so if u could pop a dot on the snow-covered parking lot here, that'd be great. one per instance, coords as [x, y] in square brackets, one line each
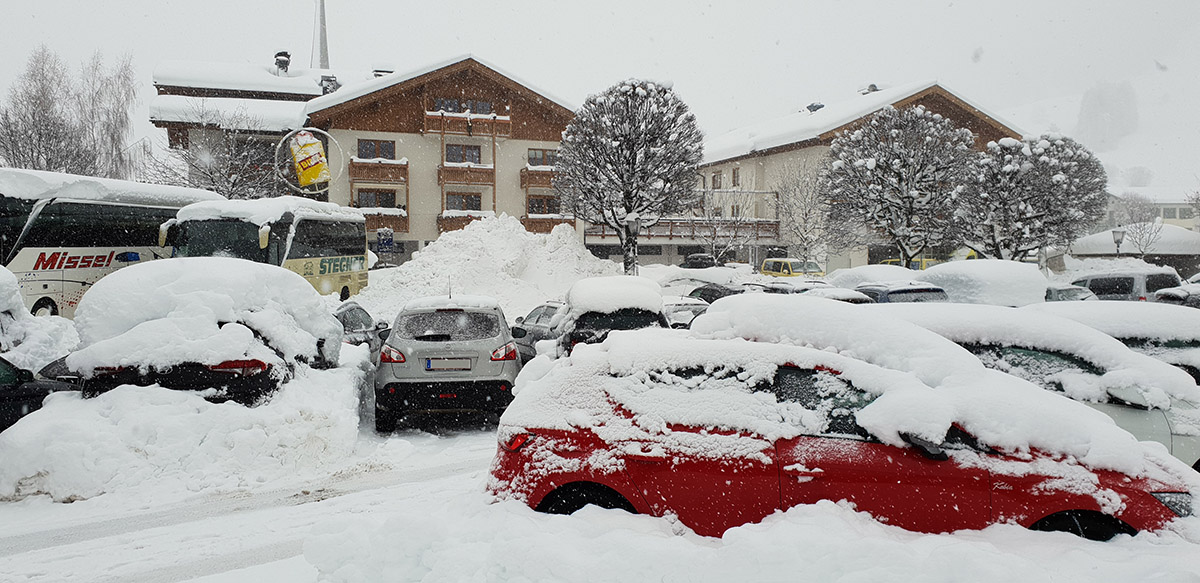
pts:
[150, 485]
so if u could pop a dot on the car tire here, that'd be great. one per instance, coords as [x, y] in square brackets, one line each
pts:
[1086, 524]
[44, 307]
[571, 497]
[385, 423]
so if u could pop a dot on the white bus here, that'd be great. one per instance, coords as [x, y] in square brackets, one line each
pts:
[60, 233]
[324, 242]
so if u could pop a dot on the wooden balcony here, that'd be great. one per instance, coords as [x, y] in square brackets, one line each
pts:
[453, 223]
[379, 172]
[397, 223]
[683, 228]
[460, 125]
[466, 175]
[545, 224]
[536, 178]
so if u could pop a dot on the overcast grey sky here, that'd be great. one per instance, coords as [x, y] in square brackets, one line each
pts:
[732, 61]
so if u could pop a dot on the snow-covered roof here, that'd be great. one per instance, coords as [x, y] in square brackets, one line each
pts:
[1172, 240]
[261, 77]
[452, 301]
[230, 113]
[267, 210]
[38, 185]
[989, 281]
[980, 324]
[351, 92]
[806, 125]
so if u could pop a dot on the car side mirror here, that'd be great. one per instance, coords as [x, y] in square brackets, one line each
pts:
[24, 376]
[520, 319]
[519, 332]
[384, 333]
[927, 448]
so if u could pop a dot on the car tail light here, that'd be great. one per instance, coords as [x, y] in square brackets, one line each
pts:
[506, 352]
[240, 367]
[389, 354]
[517, 441]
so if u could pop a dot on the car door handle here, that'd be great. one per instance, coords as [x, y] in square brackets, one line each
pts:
[800, 471]
[641, 454]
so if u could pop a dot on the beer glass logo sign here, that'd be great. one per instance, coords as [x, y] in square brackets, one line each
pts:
[308, 155]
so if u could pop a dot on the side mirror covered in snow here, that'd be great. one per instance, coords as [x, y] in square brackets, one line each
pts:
[927, 448]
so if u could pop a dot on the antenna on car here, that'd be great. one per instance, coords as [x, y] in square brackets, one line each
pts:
[449, 292]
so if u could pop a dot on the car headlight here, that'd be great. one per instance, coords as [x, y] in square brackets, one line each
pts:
[1179, 502]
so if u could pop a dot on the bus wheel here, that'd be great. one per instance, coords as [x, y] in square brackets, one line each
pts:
[345, 293]
[45, 307]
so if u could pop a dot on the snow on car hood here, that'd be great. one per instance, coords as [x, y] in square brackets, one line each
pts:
[995, 325]
[1002, 410]
[201, 309]
[989, 281]
[25, 341]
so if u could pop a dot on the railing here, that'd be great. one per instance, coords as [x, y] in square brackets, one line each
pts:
[465, 175]
[445, 224]
[681, 228]
[544, 224]
[379, 172]
[438, 123]
[397, 223]
[536, 178]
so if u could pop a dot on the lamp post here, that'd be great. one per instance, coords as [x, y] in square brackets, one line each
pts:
[1118, 236]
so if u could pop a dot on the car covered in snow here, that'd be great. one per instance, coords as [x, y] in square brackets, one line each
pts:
[596, 306]
[1159, 330]
[538, 326]
[989, 281]
[360, 328]
[1065, 292]
[445, 355]
[234, 329]
[716, 433]
[1147, 397]
[1130, 284]
[681, 310]
[884, 292]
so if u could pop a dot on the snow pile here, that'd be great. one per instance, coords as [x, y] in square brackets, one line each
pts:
[851, 277]
[609, 294]
[155, 442]
[1148, 320]
[999, 409]
[25, 341]
[1077, 268]
[201, 309]
[1156, 381]
[1171, 240]
[989, 281]
[261, 211]
[493, 257]
[724, 275]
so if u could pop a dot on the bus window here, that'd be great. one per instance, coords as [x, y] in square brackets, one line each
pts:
[315, 238]
[220, 238]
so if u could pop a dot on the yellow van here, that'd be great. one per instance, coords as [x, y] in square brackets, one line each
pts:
[787, 267]
[920, 263]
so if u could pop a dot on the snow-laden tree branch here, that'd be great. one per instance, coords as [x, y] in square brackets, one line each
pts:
[629, 158]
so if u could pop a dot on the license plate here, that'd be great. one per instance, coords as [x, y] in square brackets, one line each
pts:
[447, 364]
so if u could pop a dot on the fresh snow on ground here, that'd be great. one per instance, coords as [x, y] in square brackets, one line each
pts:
[169, 487]
[25, 341]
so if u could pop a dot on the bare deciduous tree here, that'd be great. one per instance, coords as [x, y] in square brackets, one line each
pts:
[725, 220]
[1138, 215]
[807, 224]
[54, 122]
[236, 161]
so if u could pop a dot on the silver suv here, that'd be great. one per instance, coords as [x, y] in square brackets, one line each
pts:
[445, 355]
[1129, 285]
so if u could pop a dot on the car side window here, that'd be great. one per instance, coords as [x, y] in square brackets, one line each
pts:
[1111, 285]
[825, 393]
[546, 315]
[1036, 366]
[533, 316]
[8, 374]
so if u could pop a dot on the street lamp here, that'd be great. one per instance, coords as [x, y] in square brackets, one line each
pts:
[1118, 236]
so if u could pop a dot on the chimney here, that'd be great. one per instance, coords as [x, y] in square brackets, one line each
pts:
[329, 84]
[814, 106]
[382, 72]
[869, 89]
[282, 60]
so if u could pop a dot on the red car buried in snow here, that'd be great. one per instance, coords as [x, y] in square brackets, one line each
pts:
[720, 433]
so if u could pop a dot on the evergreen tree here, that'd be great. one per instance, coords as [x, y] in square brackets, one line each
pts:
[629, 158]
[899, 174]
[1032, 194]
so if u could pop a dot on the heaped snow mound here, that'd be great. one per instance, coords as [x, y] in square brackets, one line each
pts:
[727, 274]
[161, 313]
[28, 342]
[1076, 268]
[1002, 410]
[153, 442]
[851, 277]
[609, 294]
[494, 257]
[989, 281]
[1142, 320]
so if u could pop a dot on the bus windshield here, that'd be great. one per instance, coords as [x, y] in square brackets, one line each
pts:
[230, 238]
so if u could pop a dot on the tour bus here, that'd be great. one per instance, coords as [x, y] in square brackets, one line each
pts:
[60, 233]
[324, 242]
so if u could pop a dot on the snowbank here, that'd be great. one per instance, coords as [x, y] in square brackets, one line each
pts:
[989, 281]
[493, 257]
[158, 443]
[169, 311]
[261, 211]
[25, 341]
[1076, 268]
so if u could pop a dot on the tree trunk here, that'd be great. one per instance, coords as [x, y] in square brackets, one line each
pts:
[629, 249]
